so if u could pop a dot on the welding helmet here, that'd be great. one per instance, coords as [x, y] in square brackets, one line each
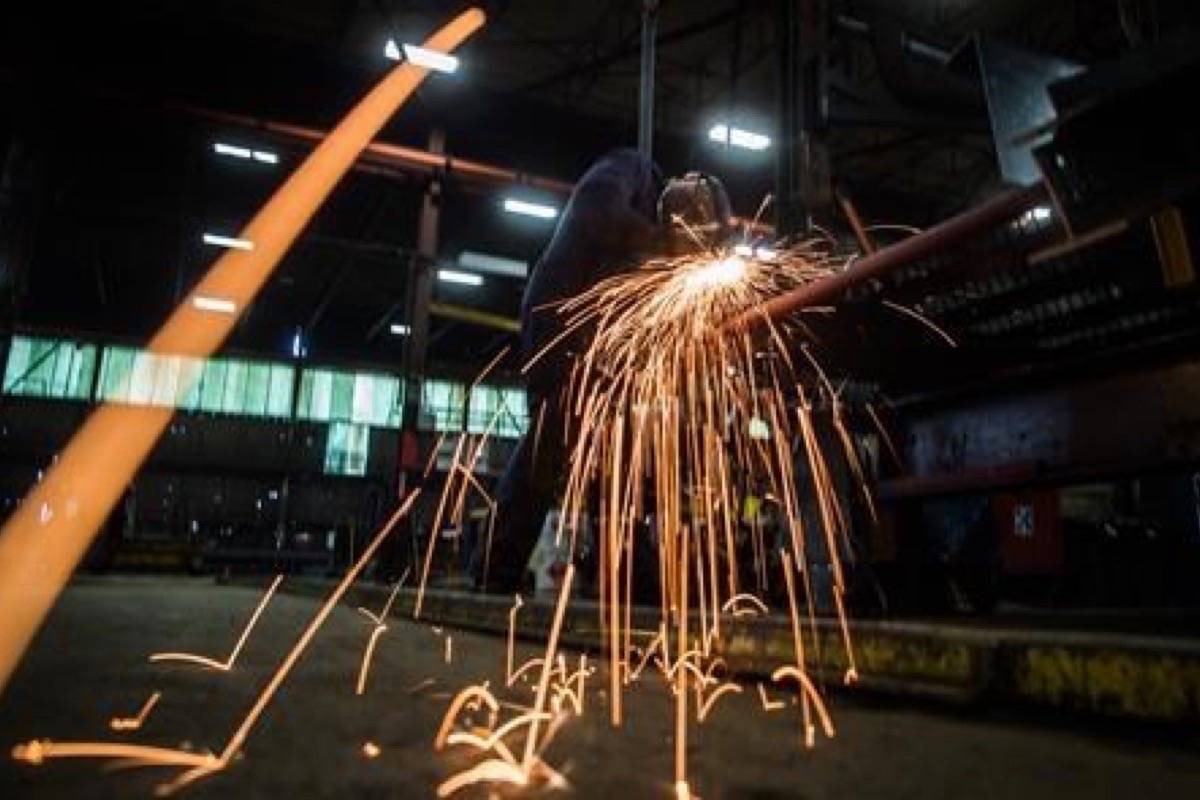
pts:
[699, 202]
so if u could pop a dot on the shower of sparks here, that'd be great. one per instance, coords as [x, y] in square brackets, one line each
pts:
[135, 722]
[505, 767]
[659, 410]
[378, 630]
[512, 632]
[227, 664]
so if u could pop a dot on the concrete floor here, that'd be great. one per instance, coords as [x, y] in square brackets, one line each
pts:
[89, 664]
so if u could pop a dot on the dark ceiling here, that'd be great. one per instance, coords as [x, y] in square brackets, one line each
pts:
[121, 180]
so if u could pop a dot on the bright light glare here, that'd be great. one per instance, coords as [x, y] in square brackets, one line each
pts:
[765, 253]
[454, 276]
[217, 304]
[759, 429]
[399, 329]
[430, 59]
[232, 242]
[738, 137]
[391, 51]
[237, 151]
[743, 250]
[721, 272]
[232, 150]
[496, 265]
[1035, 214]
[538, 210]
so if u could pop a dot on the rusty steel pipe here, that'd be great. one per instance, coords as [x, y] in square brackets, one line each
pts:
[878, 264]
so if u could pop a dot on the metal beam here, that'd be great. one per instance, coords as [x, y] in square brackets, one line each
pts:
[879, 264]
[409, 159]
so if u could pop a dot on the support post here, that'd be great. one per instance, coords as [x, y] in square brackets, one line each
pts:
[646, 91]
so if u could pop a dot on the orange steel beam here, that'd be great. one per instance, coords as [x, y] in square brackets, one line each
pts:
[43, 541]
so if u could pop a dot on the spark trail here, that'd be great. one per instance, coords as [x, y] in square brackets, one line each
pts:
[660, 410]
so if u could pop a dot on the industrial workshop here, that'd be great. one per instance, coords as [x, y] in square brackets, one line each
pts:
[680, 399]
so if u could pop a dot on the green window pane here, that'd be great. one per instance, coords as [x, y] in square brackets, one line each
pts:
[341, 399]
[115, 367]
[218, 386]
[347, 448]
[258, 378]
[53, 368]
[359, 397]
[279, 397]
[212, 386]
[514, 413]
[484, 403]
[442, 405]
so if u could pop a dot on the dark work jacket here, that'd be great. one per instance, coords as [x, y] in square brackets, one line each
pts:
[606, 228]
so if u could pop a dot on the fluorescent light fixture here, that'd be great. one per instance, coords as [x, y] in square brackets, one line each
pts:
[297, 344]
[738, 138]
[400, 329]
[237, 151]
[1035, 214]
[232, 242]
[217, 304]
[232, 150]
[743, 250]
[430, 59]
[514, 206]
[494, 265]
[391, 51]
[454, 276]
[765, 253]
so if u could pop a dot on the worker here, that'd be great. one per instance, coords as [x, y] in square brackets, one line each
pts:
[611, 224]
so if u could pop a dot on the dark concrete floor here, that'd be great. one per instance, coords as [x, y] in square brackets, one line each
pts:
[89, 664]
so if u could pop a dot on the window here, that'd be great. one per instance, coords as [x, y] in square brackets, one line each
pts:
[347, 448]
[216, 385]
[328, 395]
[49, 368]
[505, 404]
[442, 405]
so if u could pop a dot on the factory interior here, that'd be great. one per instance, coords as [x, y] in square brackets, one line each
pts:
[681, 398]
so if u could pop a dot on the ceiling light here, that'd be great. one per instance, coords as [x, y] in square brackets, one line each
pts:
[514, 206]
[232, 150]
[237, 151]
[495, 265]
[217, 304]
[421, 57]
[232, 242]
[400, 329]
[454, 276]
[739, 138]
